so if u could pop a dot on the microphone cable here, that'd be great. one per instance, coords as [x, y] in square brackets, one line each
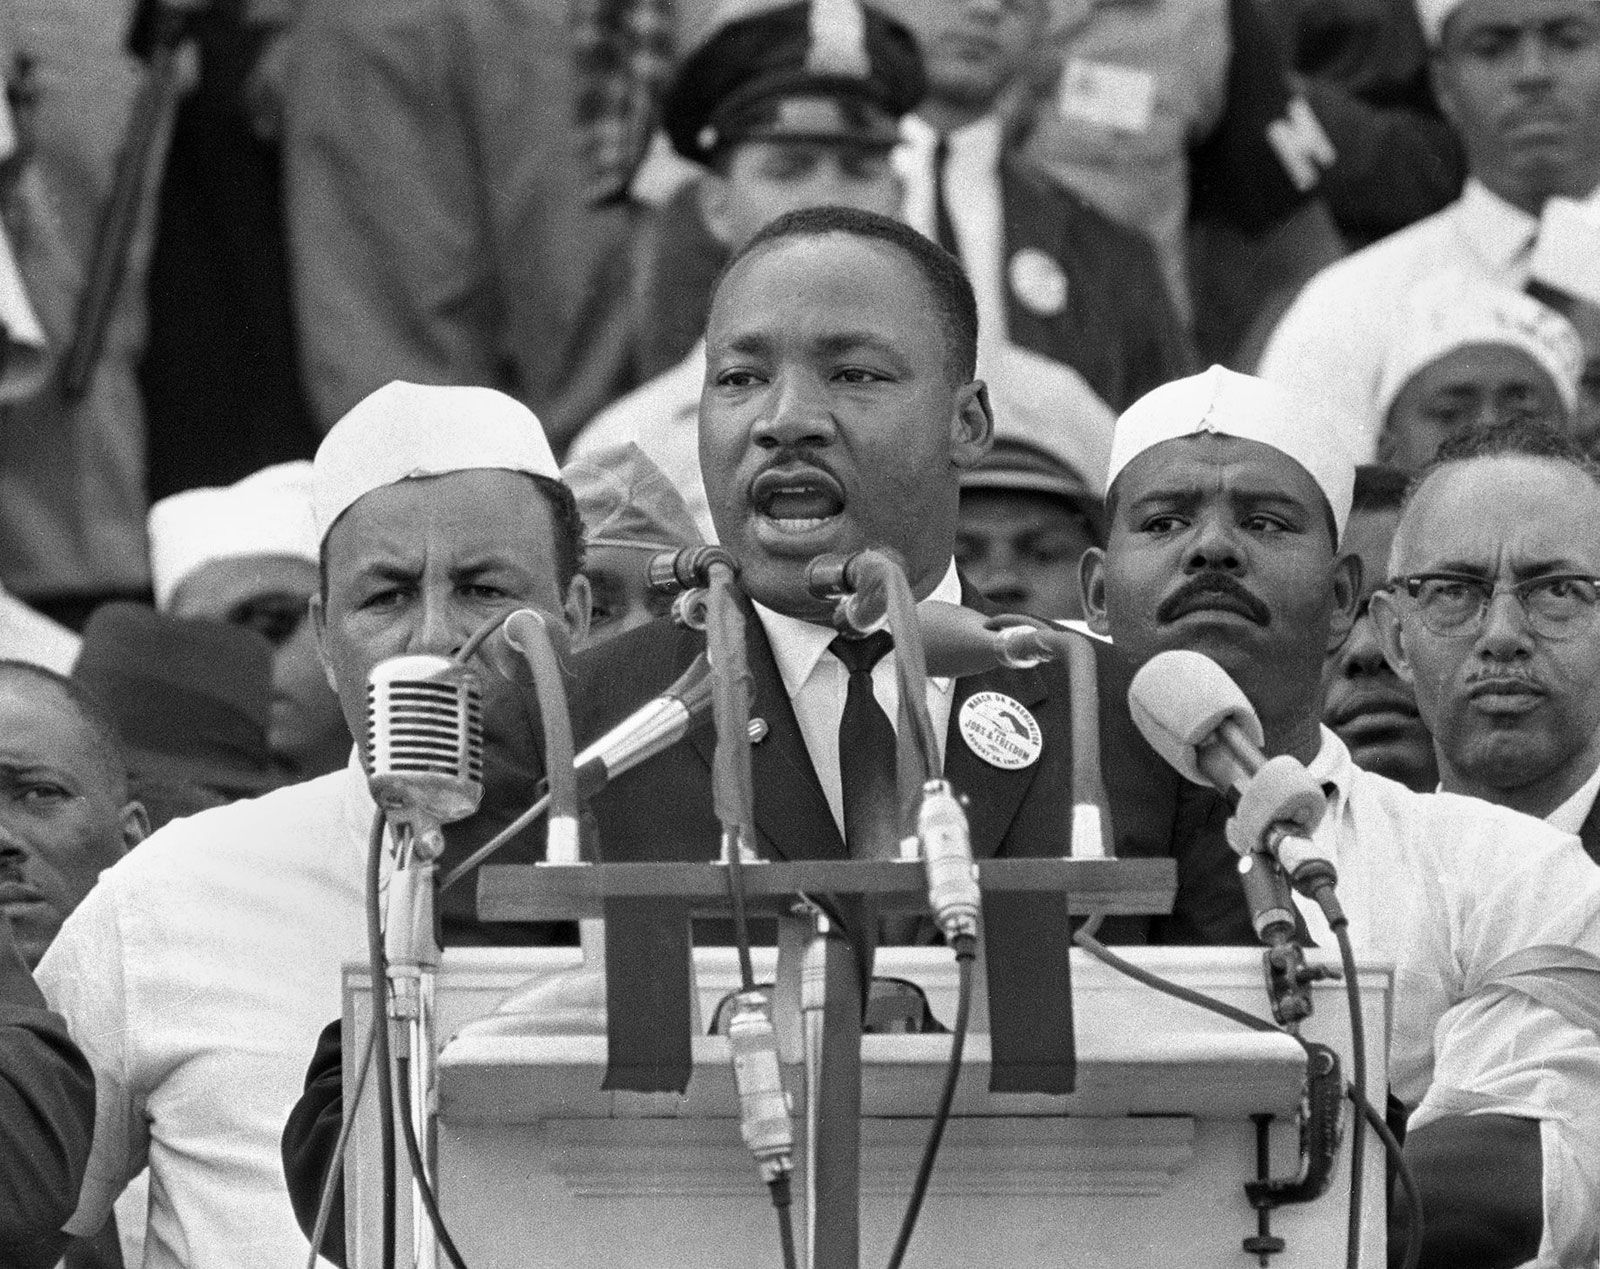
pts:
[966, 950]
[430, 1202]
[379, 969]
[1355, 1090]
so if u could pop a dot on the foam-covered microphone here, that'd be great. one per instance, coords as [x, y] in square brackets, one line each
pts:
[424, 745]
[1198, 719]
[959, 642]
[658, 724]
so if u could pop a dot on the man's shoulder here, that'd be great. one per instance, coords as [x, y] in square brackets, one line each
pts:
[1028, 184]
[276, 824]
[1378, 267]
[1454, 821]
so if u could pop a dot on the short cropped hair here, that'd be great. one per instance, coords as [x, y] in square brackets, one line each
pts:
[1525, 438]
[1379, 488]
[565, 519]
[104, 738]
[940, 271]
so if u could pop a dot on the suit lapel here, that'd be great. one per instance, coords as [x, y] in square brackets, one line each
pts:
[993, 794]
[1589, 832]
[792, 814]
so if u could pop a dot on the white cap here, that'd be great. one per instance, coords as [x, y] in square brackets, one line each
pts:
[406, 430]
[1044, 403]
[1448, 316]
[1222, 402]
[1433, 14]
[267, 513]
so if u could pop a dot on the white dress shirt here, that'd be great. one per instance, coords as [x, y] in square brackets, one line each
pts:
[1334, 337]
[1445, 887]
[972, 194]
[196, 978]
[817, 682]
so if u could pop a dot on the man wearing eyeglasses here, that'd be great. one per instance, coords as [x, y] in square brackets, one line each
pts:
[1492, 613]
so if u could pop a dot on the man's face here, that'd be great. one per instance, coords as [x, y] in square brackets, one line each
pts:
[621, 597]
[765, 179]
[63, 813]
[829, 420]
[1520, 80]
[417, 566]
[1511, 709]
[1021, 550]
[1470, 386]
[1223, 546]
[1364, 700]
[975, 48]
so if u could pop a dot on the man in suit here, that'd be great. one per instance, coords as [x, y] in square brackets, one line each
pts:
[1052, 273]
[1511, 690]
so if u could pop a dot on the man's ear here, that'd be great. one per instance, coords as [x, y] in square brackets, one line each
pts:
[1092, 585]
[712, 191]
[319, 623]
[1346, 600]
[134, 824]
[972, 427]
[578, 607]
[1391, 633]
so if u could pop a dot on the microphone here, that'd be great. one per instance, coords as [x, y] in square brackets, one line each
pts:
[424, 746]
[959, 642]
[953, 892]
[1200, 721]
[654, 726]
[670, 572]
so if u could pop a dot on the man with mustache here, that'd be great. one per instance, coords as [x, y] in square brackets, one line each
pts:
[1493, 616]
[1366, 703]
[1226, 501]
[1520, 82]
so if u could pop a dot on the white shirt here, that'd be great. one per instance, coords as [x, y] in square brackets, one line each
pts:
[817, 682]
[1445, 886]
[661, 417]
[972, 194]
[1570, 815]
[1334, 337]
[196, 977]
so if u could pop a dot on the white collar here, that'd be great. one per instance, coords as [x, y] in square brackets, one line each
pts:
[1333, 765]
[1495, 229]
[978, 142]
[798, 645]
[1570, 815]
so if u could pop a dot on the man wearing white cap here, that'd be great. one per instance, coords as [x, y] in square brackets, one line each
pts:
[1227, 497]
[199, 970]
[1471, 357]
[1520, 82]
[247, 554]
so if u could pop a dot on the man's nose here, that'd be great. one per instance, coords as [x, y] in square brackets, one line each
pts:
[1362, 655]
[1505, 634]
[1533, 61]
[438, 627]
[798, 413]
[1214, 546]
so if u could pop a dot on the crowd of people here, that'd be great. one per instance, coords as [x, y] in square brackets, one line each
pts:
[335, 329]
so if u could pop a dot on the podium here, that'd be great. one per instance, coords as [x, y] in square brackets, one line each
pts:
[1143, 1165]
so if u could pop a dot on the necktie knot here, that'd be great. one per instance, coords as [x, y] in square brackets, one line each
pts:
[861, 655]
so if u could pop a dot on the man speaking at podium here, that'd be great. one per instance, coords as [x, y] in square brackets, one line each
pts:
[1227, 497]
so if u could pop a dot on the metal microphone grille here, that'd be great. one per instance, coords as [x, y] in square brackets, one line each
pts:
[425, 737]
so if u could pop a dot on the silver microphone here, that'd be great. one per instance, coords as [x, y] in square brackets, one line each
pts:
[656, 725]
[424, 745]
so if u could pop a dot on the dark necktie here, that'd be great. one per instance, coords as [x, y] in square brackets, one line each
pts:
[944, 228]
[866, 754]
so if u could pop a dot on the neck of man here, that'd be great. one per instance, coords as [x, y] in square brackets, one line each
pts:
[1538, 797]
[1530, 197]
[1289, 726]
[945, 115]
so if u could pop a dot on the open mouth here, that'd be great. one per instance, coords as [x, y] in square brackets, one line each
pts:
[797, 501]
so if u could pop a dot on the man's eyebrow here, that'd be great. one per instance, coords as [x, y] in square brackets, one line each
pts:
[844, 341]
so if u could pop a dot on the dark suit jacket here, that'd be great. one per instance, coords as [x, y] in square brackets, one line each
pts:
[1589, 832]
[1119, 329]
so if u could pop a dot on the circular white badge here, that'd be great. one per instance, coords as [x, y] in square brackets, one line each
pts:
[1001, 731]
[1038, 282]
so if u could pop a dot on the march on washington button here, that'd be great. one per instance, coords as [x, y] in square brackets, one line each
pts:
[1001, 731]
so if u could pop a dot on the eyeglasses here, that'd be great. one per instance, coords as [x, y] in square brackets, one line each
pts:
[1558, 606]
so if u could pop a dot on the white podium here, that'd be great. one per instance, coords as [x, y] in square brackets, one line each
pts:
[1144, 1165]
